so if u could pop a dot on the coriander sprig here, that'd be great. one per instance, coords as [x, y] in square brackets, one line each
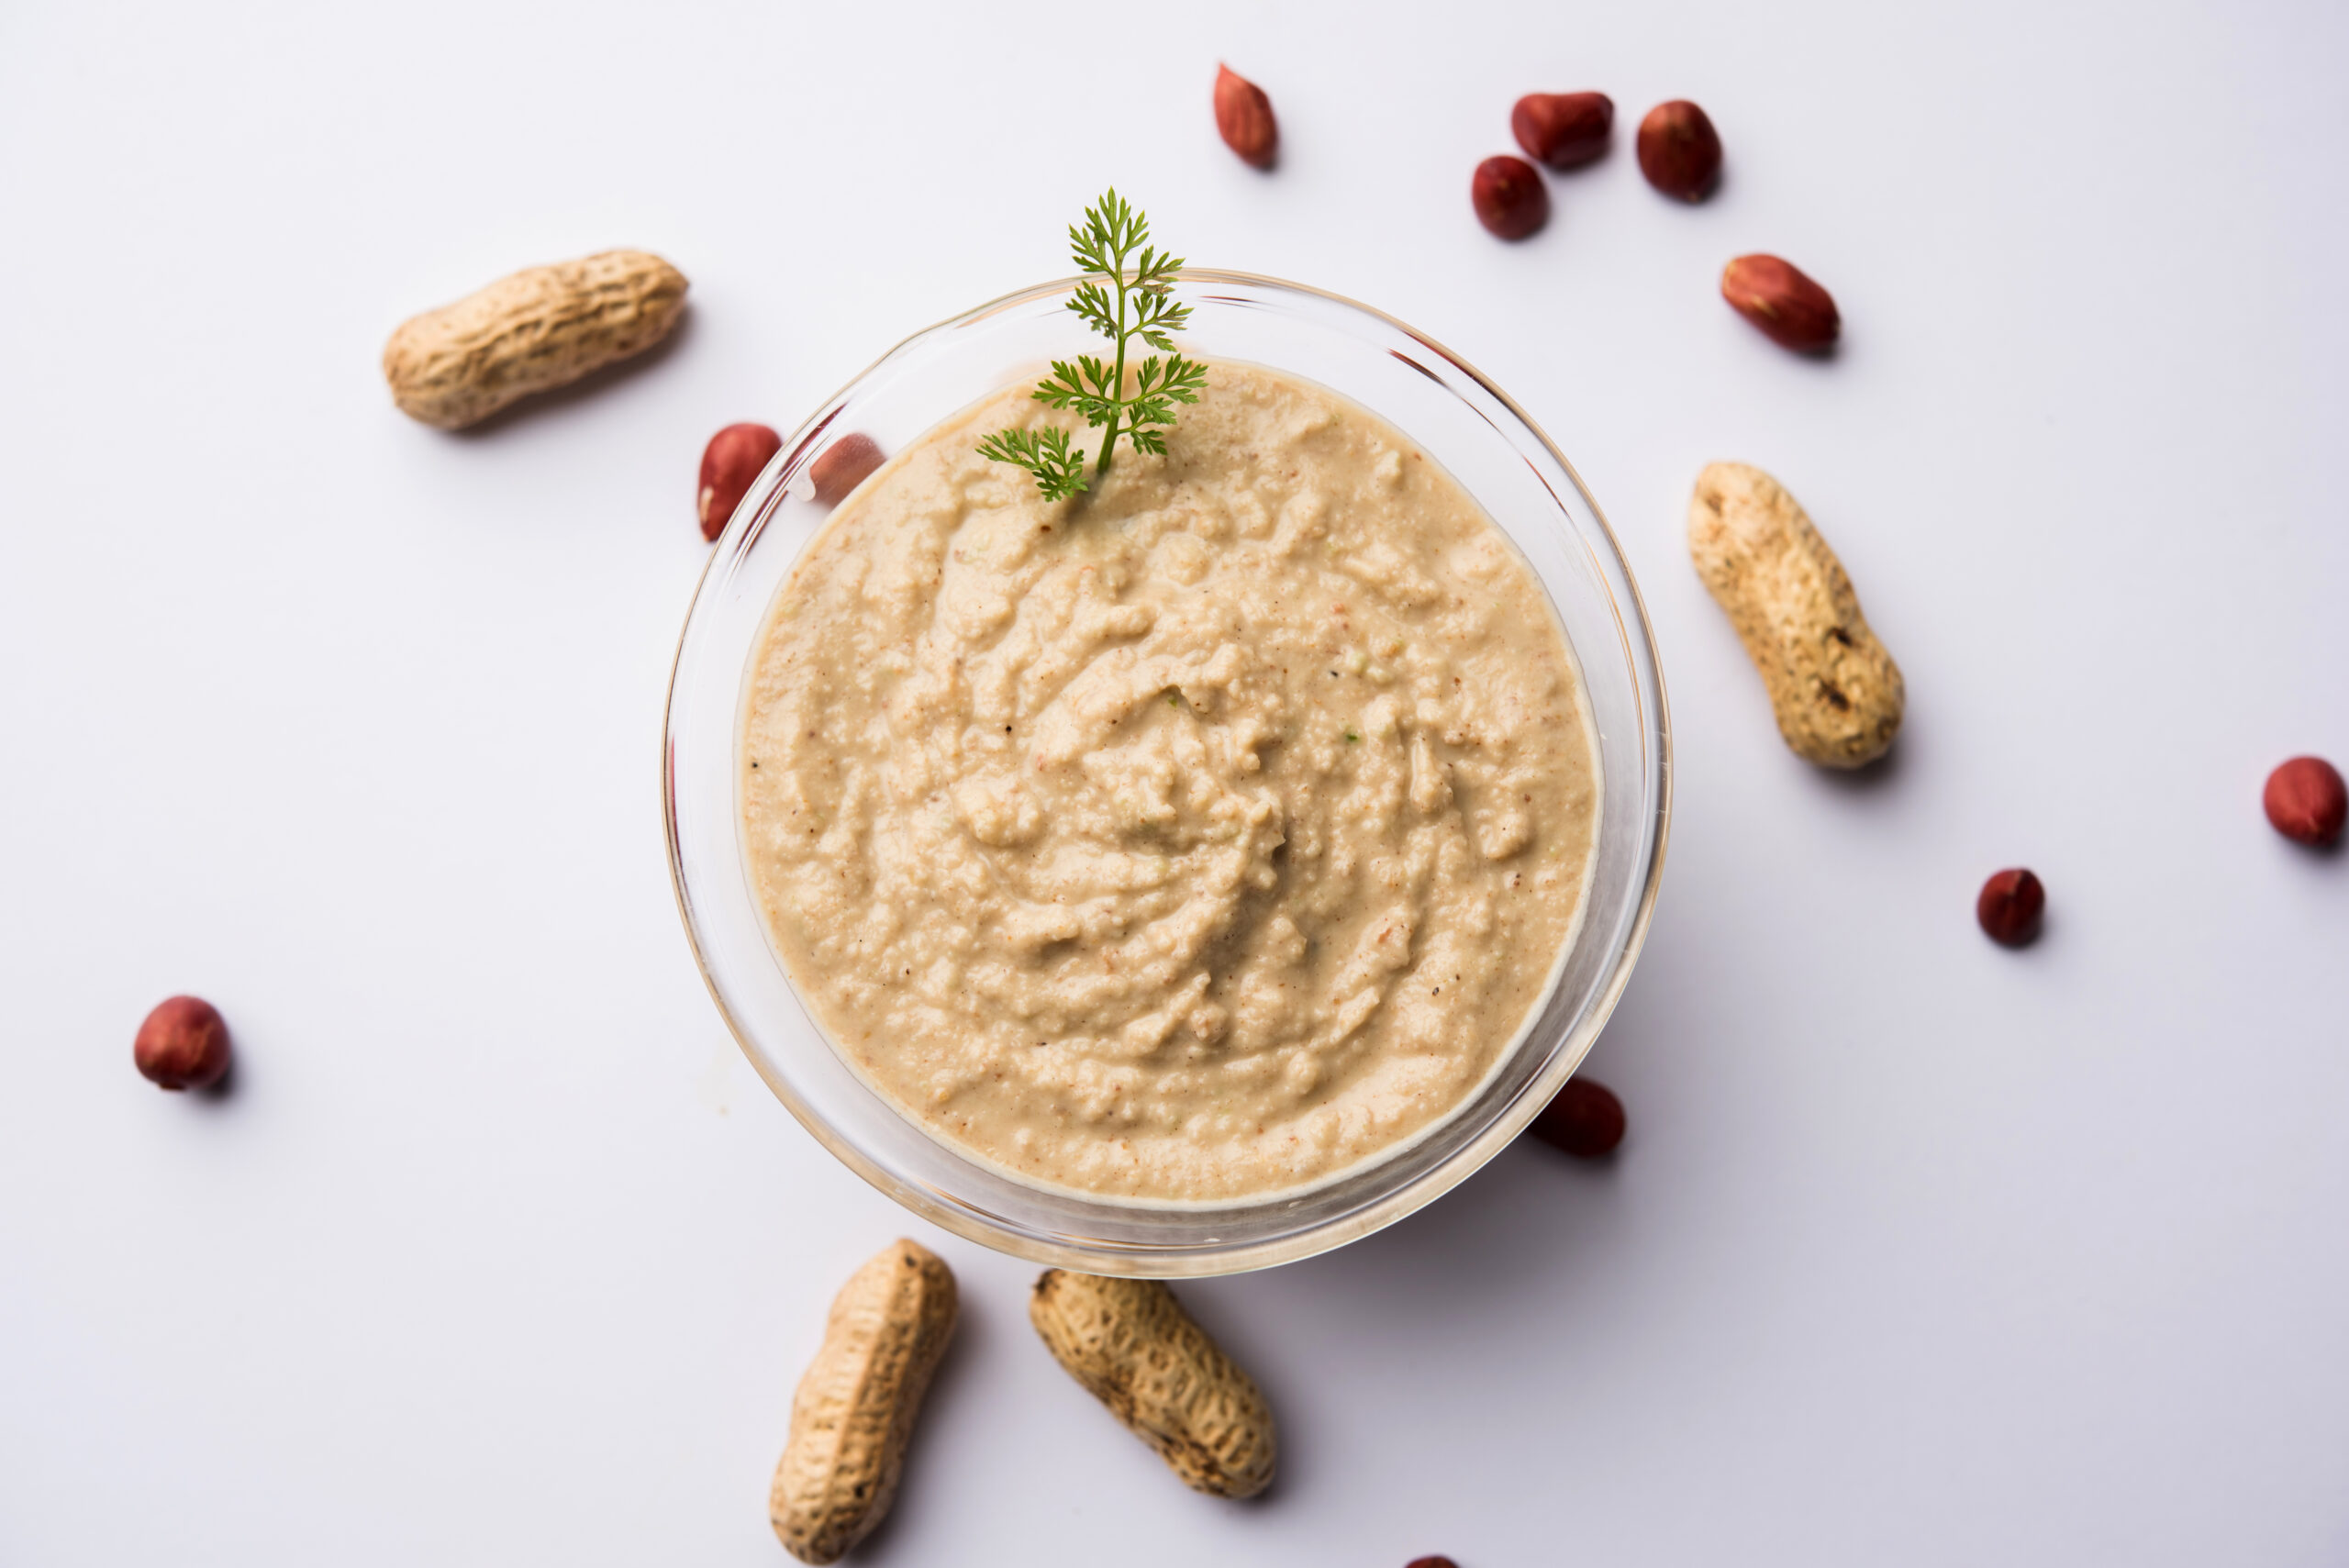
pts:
[1132, 300]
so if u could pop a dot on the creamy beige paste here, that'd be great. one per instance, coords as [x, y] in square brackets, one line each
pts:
[1193, 839]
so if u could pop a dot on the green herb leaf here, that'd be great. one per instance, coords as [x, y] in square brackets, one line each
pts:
[1060, 473]
[1135, 299]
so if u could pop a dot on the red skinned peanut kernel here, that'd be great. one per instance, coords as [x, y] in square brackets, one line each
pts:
[1432, 1563]
[2306, 801]
[1780, 298]
[183, 1044]
[1510, 197]
[1564, 130]
[1585, 1121]
[1244, 117]
[2009, 907]
[1679, 151]
[728, 464]
[842, 466]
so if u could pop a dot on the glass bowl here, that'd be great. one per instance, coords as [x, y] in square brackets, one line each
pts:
[1460, 419]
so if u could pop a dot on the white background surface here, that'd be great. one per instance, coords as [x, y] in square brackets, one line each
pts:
[1919, 1252]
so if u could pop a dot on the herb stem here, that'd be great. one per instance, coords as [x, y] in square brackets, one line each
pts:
[1117, 385]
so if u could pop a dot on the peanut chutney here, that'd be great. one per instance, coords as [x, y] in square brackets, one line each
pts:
[1195, 839]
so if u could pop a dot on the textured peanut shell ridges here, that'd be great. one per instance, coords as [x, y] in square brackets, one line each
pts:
[1837, 693]
[542, 327]
[1131, 1344]
[855, 1407]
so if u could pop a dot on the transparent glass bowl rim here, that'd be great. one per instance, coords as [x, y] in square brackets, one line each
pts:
[1064, 1250]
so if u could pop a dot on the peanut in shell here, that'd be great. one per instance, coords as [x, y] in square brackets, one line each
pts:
[854, 1410]
[1133, 1348]
[537, 329]
[1837, 693]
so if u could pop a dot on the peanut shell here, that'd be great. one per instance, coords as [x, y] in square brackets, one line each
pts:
[1837, 693]
[1133, 1346]
[539, 328]
[855, 1407]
